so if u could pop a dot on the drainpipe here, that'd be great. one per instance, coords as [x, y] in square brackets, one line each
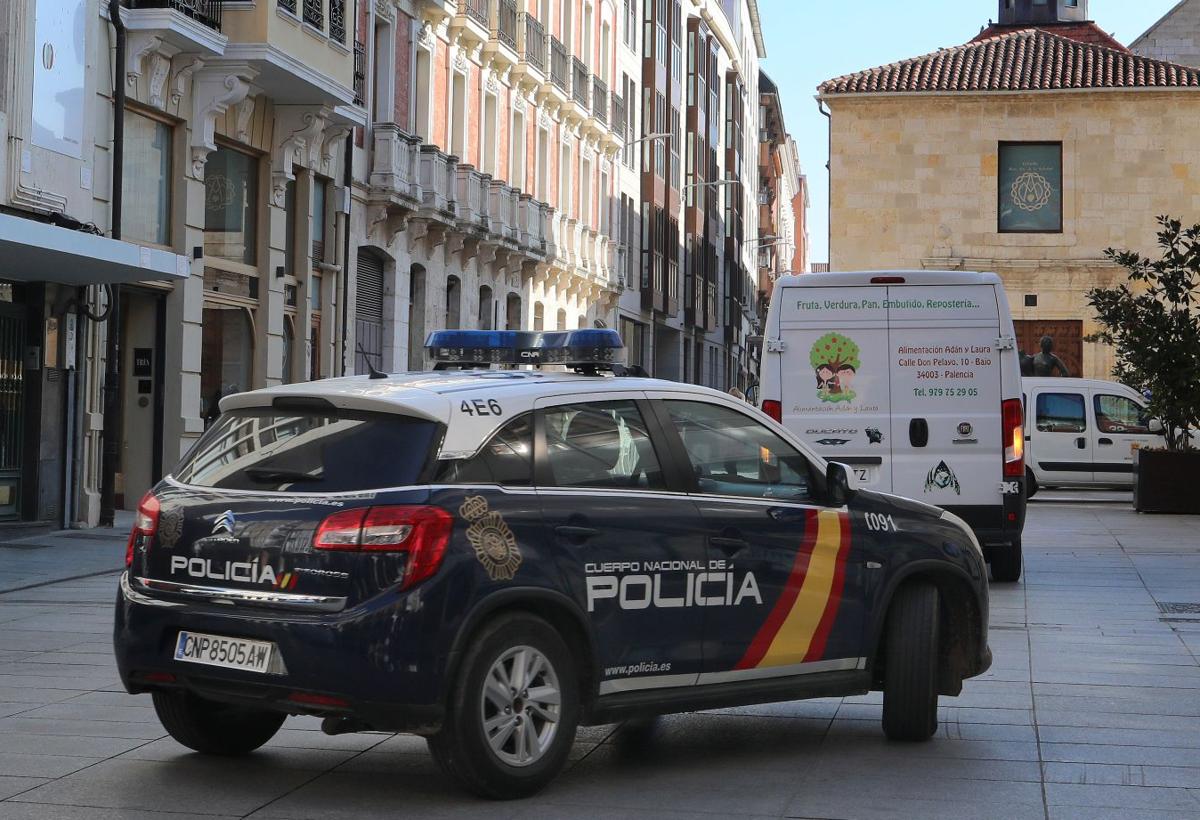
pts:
[348, 172]
[112, 366]
[829, 181]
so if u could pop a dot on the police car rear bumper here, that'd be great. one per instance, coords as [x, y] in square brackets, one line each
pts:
[368, 664]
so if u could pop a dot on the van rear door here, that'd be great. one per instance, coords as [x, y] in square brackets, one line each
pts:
[834, 375]
[946, 377]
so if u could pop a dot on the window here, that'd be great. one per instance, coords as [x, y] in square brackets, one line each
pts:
[487, 146]
[147, 182]
[289, 227]
[539, 316]
[320, 193]
[458, 121]
[600, 445]
[562, 320]
[732, 454]
[453, 302]
[226, 356]
[1118, 414]
[485, 308]
[308, 452]
[289, 350]
[506, 459]
[1061, 413]
[516, 171]
[1029, 199]
[231, 206]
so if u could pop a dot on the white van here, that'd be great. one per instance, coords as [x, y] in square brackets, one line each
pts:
[911, 379]
[1083, 432]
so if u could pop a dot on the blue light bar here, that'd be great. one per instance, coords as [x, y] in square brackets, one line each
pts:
[587, 348]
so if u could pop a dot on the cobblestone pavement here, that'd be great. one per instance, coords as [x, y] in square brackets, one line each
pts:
[1091, 710]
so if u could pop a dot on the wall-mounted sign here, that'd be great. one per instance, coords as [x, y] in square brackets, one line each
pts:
[1030, 187]
[143, 362]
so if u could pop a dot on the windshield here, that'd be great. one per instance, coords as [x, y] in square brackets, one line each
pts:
[309, 451]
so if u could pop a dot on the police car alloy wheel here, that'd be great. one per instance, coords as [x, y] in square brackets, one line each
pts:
[215, 728]
[910, 688]
[513, 711]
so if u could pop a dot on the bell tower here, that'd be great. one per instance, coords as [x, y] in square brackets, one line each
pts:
[1041, 12]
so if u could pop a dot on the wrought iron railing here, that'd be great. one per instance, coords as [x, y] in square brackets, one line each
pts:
[205, 12]
[560, 65]
[337, 21]
[360, 72]
[579, 81]
[314, 13]
[477, 10]
[505, 24]
[600, 100]
[533, 50]
[618, 117]
[288, 5]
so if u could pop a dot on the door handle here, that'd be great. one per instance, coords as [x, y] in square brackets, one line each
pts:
[1081, 443]
[576, 535]
[918, 432]
[729, 545]
[1104, 441]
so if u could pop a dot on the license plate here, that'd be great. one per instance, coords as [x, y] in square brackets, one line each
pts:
[229, 653]
[865, 475]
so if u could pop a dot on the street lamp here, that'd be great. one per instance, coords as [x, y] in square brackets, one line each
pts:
[648, 138]
[714, 183]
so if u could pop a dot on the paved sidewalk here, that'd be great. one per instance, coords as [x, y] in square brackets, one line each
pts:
[1092, 710]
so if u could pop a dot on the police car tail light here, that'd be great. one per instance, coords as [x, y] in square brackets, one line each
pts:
[774, 409]
[145, 523]
[1014, 438]
[422, 532]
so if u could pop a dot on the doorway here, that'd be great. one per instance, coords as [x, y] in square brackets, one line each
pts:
[12, 407]
[143, 332]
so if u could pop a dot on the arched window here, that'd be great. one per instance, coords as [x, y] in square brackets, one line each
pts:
[583, 322]
[539, 316]
[562, 319]
[485, 308]
[416, 322]
[453, 302]
[512, 312]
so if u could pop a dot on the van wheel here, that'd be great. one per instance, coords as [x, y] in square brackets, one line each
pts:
[910, 677]
[1031, 485]
[1006, 562]
[512, 712]
[215, 728]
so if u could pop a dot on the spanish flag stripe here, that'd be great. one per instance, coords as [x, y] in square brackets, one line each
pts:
[816, 650]
[766, 633]
[792, 641]
[283, 584]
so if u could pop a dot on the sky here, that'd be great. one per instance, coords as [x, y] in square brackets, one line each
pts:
[810, 41]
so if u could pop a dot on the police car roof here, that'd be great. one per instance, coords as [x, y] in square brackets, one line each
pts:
[911, 277]
[430, 394]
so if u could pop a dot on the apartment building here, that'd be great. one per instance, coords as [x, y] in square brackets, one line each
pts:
[230, 263]
[780, 235]
[485, 190]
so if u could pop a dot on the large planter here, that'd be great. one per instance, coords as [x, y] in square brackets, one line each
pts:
[1166, 482]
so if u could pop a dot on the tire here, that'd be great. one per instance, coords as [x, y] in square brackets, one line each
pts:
[1031, 484]
[1006, 562]
[910, 685]
[215, 728]
[509, 770]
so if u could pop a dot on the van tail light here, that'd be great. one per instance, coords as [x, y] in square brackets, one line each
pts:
[774, 409]
[887, 280]
[144, 523]
[422, 532]
[1014, 438]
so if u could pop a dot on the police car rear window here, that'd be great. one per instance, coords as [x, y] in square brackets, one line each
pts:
[309, 452]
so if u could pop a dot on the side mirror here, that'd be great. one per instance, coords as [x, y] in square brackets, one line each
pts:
[840, 484]
[1155, 426]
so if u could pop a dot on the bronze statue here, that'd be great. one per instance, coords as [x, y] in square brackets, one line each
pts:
[1045, 363]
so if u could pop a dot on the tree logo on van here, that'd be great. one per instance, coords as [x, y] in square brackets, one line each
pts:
[942, 477]
[494, 543]
[835, 360]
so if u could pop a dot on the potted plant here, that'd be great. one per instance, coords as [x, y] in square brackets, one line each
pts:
[1153, 321]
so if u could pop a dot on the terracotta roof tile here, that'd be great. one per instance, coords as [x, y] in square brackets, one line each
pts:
[1085, 32]
[1024, 60]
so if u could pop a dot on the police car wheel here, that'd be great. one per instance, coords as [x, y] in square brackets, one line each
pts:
[910, 692]
[215, 728]
[513, 712]
[1006, 562]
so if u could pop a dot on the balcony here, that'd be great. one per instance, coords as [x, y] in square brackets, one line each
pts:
[205, 12]
[472, 22]
[395, 167]
[360, 72]
[439, 187]
[619, 126]
[560, 67]
[477, 10]
[531, 42]
[504, 22]
[600, 100]
[579, 82]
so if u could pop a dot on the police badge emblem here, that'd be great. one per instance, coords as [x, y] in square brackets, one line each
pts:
[494, 543]
[170, 526]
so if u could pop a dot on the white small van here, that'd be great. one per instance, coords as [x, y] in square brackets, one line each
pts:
[1083, 432]
[911, 379]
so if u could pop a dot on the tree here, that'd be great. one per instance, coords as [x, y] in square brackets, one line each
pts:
[830, 357]
[1156, 330]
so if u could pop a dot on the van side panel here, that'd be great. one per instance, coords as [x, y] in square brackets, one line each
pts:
[835, 375]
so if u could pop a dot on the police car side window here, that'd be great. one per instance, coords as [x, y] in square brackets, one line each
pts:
[506, 459]
[732, 454]
[601, 444]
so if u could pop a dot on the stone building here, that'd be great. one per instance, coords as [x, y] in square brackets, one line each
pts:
[1027, 152]
[1175, 37]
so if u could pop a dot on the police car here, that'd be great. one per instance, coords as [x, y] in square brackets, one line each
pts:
[493, 557]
